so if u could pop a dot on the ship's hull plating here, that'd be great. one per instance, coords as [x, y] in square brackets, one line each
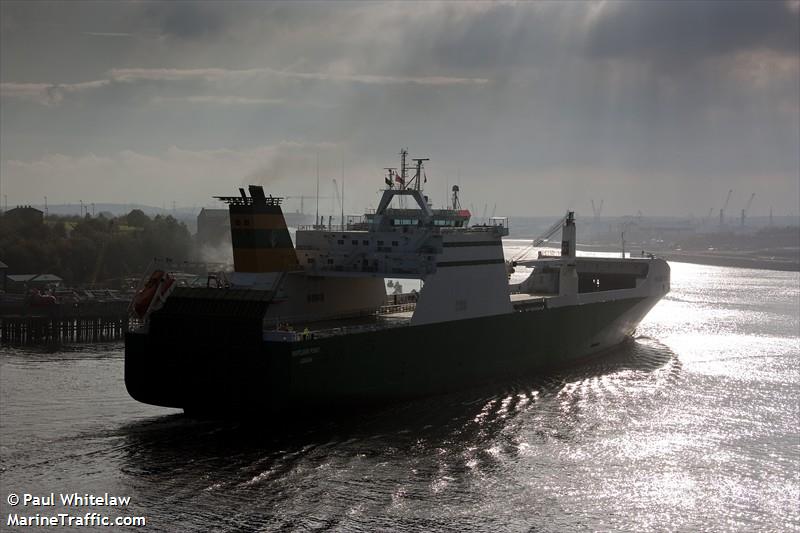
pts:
[199, 374]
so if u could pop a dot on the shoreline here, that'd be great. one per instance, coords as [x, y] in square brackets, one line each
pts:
[723, 259]
[736, 261]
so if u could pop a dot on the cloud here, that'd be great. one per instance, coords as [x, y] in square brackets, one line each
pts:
[677, 34]
[162, 74]
[189, 20]
[696, 95]
[107, 34]
[48, 93]
[220, 100]
[187, 176]
[53, 93]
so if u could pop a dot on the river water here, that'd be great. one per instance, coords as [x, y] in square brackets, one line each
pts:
[693, 426]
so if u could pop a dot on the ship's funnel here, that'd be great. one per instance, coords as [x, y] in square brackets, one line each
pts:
[261, 240]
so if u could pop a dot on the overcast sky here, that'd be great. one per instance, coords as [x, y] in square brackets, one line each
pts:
[653, 106]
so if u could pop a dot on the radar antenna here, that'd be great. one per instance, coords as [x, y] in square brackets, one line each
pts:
[418, 176]
[456, 202]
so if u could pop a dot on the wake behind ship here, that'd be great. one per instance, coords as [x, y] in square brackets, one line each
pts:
[311, 325]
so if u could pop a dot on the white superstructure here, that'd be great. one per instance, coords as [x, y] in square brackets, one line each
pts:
[464, 274]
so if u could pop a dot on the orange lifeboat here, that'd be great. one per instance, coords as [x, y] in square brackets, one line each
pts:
[39, 299]
[159, 283]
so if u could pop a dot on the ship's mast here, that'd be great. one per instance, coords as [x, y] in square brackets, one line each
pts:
[418, 177]
[403, 171]
[342, 192]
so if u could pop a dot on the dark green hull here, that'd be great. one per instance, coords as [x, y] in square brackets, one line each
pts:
[237, 371]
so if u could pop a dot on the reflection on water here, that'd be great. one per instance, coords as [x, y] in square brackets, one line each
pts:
[691, 426]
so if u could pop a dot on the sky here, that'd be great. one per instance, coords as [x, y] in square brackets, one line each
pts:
[535, 107]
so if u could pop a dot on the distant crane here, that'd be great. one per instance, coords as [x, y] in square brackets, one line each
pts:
[597, 210]
[724, 207]
[746, 209]
[302, 199]
[708, 216]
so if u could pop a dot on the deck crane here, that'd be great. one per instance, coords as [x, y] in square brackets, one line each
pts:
[746, 209]
[541, 239]
[724, 207]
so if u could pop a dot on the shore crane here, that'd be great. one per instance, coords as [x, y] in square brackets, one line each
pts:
[746, 209]
[708, 216]
[597, 210]
[724, 207]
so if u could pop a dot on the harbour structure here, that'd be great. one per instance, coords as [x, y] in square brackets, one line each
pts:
[309, 324]
[41, 318]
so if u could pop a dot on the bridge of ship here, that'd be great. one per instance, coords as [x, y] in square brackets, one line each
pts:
[391, 242]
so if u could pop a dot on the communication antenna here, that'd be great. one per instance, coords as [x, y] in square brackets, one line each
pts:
[342, 191]
[403, 175]
[316, 219]
[403, 170]
[622, 237]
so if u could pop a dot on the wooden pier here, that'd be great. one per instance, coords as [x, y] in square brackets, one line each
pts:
[81, 322]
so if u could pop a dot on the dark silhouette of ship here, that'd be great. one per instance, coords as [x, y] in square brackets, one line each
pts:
[309, 324]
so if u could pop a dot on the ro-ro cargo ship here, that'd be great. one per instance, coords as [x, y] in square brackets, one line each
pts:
[309, 323]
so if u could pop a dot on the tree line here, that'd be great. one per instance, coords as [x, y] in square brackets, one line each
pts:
[93, 250]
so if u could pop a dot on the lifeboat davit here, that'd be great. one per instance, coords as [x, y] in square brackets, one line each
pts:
[159, 284]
